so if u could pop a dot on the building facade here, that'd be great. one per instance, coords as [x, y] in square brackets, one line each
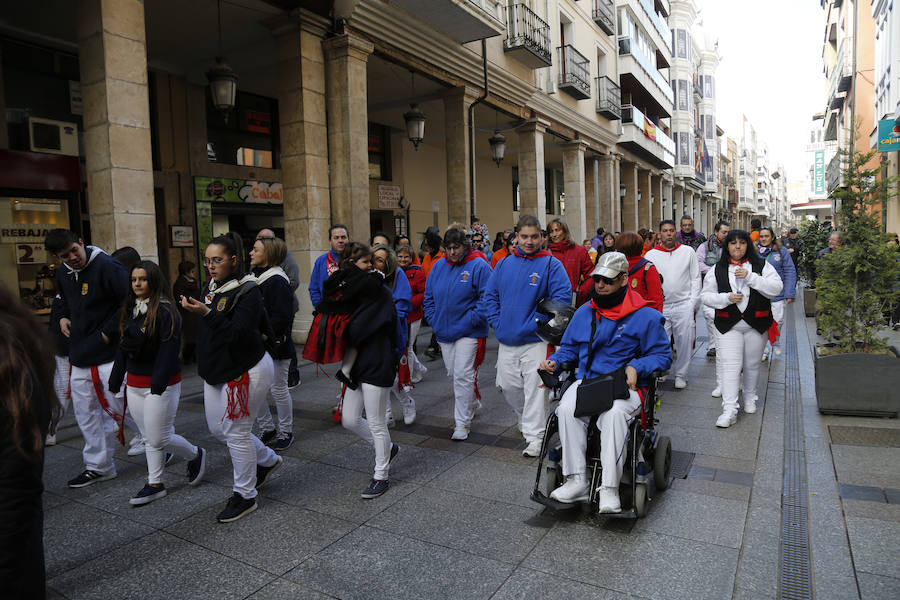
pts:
[886, 15]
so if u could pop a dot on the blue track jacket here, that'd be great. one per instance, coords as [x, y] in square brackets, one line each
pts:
[516, 286]
[784, 265]
[402, 295]
[637, 339]
[319, 275]
[453, 297]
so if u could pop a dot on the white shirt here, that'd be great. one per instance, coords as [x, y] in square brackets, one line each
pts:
[680, 271]
[768, 284]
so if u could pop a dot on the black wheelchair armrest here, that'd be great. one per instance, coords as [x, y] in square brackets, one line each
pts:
[567, 366]
[658, 374]
[550, 380]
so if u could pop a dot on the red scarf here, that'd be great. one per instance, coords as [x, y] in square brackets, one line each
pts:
[561, 246]
[537, 254]
[331, 265]
[238, 398]
[737, 264]
[662, 248]
[469, 255]
[630, 303]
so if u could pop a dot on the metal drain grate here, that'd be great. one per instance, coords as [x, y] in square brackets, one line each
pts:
[796, 581]
[681, 464]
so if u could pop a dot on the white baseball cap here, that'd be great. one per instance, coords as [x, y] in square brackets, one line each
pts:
[611, 265]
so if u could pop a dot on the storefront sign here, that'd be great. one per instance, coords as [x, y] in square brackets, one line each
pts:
[820, 172]
[215, 189]
[888, 135]
[31, 254]
[14, 233]
[389, 196]
[181, 236]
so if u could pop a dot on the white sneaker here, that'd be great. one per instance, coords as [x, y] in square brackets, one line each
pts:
[419, 374]
[460, 434]
[726, 419]
[750, 406]
[409, 412]
[575, 489]
[609, 500]
[533, 449]
[680, 384]
[390, 419]
[765, 356]
[717, 393]
[50, 440]
[777, 350]
[475, 406]
[138, 448]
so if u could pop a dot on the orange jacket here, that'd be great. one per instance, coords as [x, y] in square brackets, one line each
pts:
[428, 262]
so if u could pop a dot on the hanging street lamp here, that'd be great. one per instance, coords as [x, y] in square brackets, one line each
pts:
[498, 147]
[222, 79]
[415, 125]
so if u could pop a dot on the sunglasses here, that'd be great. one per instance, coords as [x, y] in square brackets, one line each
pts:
[606, 280]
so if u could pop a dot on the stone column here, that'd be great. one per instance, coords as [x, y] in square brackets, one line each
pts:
[656, 186]
[573, 181]
[678, 204]
[113, 60]
[592, 194]
[629, 174]
[348, 159]
[532, 191]
[608, 192]
[304, 158]
[645, 217]
[456, 148]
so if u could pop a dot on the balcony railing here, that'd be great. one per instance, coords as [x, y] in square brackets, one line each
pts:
[604, 15]
[626, 47]
[657, 21]
[574, 72]
[609, 98]
[631, 114]
[528, 36]
[840, 77]
[833, 173]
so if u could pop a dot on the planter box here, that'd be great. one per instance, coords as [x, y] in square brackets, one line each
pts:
[857, 384]
[809, 302]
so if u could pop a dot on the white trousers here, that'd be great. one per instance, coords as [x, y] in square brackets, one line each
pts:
[459, 359]
[97, 427]
[284, 404]
[373, 428]
[414, 363]
[61, 383]
[680, 325]
[613, 425]
[710, 314]
[245, 448]
[522, 388]
[778, 315]
[155, 418]
[739, 348]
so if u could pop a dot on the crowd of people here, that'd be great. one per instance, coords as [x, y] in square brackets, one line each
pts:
[120, 336]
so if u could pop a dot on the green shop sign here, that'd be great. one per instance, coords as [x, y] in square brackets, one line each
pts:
[217, 189]
[888, 135]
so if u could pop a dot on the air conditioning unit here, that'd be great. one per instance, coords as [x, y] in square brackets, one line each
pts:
[54, 137]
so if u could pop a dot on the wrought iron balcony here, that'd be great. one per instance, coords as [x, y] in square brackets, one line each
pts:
[609, 98]
[604, 15]
[527, 37]
[574, 72]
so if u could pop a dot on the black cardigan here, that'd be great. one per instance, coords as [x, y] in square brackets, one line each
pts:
[373, 332]
[156, 356]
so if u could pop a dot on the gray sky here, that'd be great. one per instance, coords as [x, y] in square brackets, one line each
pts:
[771, 71]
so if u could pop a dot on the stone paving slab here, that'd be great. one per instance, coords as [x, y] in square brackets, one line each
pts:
[525, 584]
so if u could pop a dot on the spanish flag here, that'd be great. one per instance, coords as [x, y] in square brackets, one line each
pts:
[649, 129]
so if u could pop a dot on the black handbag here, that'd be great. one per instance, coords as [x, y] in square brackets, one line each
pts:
[596, 395]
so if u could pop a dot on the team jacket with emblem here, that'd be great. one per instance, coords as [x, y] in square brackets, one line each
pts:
[516, 286]
[453, 295]
[92, 298]
[156, 356]
[228, 339]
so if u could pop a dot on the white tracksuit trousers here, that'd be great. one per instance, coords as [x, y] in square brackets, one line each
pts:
[740, 347]
[522, 387]
[245, 448]
[613, 425]
[680, 325]
[373, 428]
[778, 315]
[709, 314]
[284, 404]
[459, 358]
[61, 383]
[414, 364]
[155, 418]
[97, 427]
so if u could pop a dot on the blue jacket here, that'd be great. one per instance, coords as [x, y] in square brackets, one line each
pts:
[402, 295]
[638, 339]
[319, 275]
[784, 265]
[516, 286]
[453, 297]
[92, 298]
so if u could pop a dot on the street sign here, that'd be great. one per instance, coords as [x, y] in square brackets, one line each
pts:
[820, 172]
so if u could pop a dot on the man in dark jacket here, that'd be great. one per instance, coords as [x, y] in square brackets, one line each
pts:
[91, 287]
[688, 235]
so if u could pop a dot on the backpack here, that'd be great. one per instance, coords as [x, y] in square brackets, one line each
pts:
[646, 264]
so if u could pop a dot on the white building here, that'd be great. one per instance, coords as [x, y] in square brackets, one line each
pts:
[811, 199]
[886, 14]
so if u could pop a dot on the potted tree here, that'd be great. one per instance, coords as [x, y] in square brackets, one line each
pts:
[813, 238]
[857, 373]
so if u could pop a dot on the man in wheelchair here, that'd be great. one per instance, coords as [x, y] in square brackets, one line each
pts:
[617, 341]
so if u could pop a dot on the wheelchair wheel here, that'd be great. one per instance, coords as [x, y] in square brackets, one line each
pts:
[640, 500]
[662, 462]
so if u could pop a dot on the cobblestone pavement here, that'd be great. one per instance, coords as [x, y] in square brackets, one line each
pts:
[458, 523]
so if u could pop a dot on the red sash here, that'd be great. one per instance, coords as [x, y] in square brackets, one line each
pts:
[479, 358]
[143, 381]
[238, 398]
[101, 398]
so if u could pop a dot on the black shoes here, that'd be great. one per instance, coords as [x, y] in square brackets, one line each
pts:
[283, 443]
[89, 477]
[267, 437]
[196, 467]
[376, 488]
[262, 473]
[148, 494]
[236, 508]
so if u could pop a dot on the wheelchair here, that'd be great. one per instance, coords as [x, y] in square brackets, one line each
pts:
[648, 462]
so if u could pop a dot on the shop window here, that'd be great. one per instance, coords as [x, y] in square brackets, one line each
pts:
[249, 136]
[379, 152]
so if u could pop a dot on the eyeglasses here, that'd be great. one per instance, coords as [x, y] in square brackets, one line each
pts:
[606, 280]
[453, 248]
[216, 260]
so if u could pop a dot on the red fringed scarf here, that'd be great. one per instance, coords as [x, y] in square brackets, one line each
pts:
[101, 398]
[404, 377]
[238, 398]
[774, 333]
[479, 358]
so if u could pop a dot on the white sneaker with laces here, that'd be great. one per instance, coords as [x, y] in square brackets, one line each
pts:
[680, 383]
[419, 374]
[409, 412]
[533, 449]
[717, 393]
[726, 419]
[390, 417]
[575, 489]
[460, 434]
[750, 406]
[137, 448]
[777, 350]
[51, 439]
[609, 500]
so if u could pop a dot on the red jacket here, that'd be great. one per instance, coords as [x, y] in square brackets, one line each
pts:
[646, 282]
[575, 259]
[416, 278]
